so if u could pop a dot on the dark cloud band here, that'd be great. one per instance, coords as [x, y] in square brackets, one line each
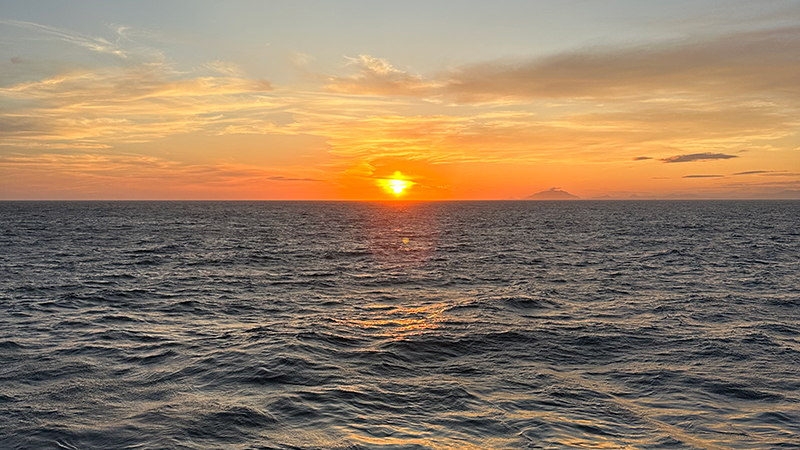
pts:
[697, 157]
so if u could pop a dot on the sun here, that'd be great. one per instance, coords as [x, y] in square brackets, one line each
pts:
[397, 184]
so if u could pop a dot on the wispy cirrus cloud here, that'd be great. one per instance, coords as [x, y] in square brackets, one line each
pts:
[376, 76]
[489, 135]
[281, 178]
[124, 166]
[226, 68]
[136, 96]
[91, 107]
[120, 175]
[703, 176]
[94, 44]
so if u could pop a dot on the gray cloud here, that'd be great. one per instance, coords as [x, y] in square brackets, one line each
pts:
[697, 157]
[763, 61]
[755, 62]
[753, 172]
[642, 158]
[702, 176]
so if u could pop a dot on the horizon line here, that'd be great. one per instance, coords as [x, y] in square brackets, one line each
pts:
[577, 200]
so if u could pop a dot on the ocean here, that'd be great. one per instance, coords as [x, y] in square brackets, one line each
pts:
[399, 325]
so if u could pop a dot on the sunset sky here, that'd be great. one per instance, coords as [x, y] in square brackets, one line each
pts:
[451, 99]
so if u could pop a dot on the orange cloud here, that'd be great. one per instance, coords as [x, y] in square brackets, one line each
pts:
[123, 104]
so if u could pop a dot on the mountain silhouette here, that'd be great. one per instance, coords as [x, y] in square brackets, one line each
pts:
[552, 194]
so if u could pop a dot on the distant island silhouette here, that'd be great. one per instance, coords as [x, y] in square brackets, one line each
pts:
[552, 194]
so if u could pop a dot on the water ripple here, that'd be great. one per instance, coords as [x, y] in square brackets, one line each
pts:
[469, 325]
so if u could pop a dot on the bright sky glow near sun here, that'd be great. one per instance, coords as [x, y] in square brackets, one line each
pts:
[415, 100]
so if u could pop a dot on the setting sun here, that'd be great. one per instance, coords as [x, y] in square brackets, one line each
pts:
[397, 184]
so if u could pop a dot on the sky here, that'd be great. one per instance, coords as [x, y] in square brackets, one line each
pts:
[412, 100]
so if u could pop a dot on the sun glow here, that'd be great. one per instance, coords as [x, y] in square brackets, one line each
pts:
[397, 184]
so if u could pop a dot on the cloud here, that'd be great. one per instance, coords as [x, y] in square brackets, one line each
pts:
[782, 174]
[142, 99]
[752, 172]
[760, 63]
[291, 179]
[450, 139]
[486, 134]
[703, 176]
[124, 175]
[769, 173]
[98, 165]
[94, 44]
[124, 104]
[375, 76]
[697, 157]
[111, 103]
[226, 68]
[777, 184]
[708, 96]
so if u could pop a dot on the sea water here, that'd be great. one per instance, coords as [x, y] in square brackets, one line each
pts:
[321, 325]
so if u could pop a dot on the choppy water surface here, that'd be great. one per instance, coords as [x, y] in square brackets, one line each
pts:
[402, 325]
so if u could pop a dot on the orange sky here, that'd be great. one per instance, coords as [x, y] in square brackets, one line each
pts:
[92, 109]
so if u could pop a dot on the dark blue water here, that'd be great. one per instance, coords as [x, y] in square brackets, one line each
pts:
[213, 325]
